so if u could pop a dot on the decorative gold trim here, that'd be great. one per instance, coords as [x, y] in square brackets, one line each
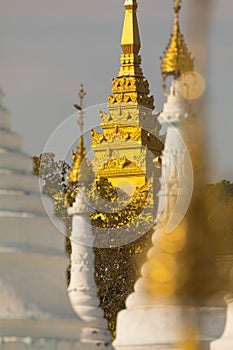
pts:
[116, 134]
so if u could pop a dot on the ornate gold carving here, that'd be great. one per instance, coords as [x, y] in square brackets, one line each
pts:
[136, 135]
[120, 134]
[97, 138]
[98, 161]
[130, 84]
[133, 90]
[119, 163]
[123, 115]
[117, 134]
[106, 118]
[118, 167]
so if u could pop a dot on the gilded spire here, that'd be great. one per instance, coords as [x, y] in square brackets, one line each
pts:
[130, 86]
[130, 41]
[80, 165]
[177, 58]
[77, 158]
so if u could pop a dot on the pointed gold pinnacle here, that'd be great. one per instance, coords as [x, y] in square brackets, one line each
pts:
[130, 87]
[130, 42]
[177, 58]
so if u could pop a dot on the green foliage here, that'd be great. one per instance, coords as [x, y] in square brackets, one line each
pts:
[53, 178]
[53, 175]
[222, 190]
[117, 270]
[118, 265]
[123, 209]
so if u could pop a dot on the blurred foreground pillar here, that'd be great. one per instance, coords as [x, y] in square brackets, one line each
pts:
[168, 309]
[226, 340]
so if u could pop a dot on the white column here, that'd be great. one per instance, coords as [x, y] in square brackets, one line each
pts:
[82, 289]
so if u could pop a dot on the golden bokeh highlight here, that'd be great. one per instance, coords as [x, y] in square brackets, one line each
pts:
[173, 242]
[190, 339]
[162, 290]
[165, 276]
[191, 85]
[163, 268]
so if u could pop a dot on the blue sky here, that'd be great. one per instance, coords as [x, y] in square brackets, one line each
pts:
[49, 47]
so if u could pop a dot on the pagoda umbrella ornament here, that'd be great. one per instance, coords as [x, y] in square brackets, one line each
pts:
[81, 169]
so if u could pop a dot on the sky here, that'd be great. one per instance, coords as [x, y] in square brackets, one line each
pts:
[49, 47]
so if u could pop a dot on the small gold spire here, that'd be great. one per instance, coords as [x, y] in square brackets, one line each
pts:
[177, 58]
[130, 87]
[130, 42]
[79, 157]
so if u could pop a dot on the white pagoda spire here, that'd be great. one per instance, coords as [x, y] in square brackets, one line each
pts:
[82, 289]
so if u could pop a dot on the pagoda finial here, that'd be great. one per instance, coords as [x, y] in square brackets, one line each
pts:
[81, 168]
[177, 58]
[130, 87]
[177, 7]
[81, 152]
[81, 95]
[130, 42]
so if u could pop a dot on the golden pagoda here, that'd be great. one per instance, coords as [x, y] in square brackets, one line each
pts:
[124, 152]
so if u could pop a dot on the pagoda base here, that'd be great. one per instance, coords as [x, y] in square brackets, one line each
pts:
[163, 327]
[226, 340]
[50, 334]
[97, 338]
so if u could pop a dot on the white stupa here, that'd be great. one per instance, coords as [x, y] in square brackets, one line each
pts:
[35, 312]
